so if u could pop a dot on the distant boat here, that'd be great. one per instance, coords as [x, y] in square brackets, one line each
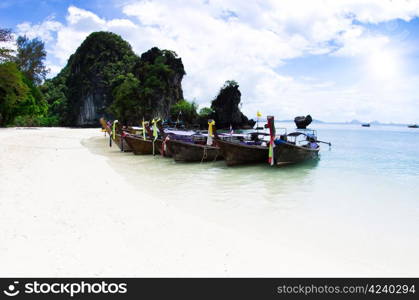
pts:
[413, 126]
[366, 125]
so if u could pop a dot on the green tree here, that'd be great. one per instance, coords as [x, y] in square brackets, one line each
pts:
[5, 53]
[13, 92]
[206, 112]
[185, 111]
[127, 106]
[30, 58]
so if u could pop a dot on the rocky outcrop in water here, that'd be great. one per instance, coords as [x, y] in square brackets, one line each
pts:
[302, 122]
[226, 108]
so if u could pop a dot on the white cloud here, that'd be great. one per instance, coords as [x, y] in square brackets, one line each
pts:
[247, 41]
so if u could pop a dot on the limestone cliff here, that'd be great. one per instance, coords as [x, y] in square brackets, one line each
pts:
[98, 81]
[226, 108]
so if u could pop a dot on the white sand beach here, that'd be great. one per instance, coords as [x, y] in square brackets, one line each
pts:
[72, 206]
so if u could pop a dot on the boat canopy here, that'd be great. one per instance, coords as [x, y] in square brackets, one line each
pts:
[296, 134]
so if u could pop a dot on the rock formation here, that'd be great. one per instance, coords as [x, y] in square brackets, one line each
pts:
[302, 122]
[84, 90]
[161, 72]
[99, 59]
[226, 108]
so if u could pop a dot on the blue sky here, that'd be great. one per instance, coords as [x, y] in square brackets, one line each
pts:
[337, 60]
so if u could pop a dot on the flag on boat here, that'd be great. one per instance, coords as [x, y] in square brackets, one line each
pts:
[155, 132]
[210, 132]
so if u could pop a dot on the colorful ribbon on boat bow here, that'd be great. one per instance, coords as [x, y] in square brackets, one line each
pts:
[210, 132]
[143, 129]
[271, 126]
[164, 146]
[113, 128]
[155, 132]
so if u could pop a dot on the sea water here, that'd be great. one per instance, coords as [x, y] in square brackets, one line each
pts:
[359, 202]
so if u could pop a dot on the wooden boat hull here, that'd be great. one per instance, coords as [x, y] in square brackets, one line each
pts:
[138, 145]
[117, 140]
[236, 153]
[122, 143]
[286, 153]
[168, 151]
[188, 152]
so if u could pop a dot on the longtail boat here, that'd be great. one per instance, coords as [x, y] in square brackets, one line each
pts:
[290, 150]
[245, 151]
[190, 146]
[189, 152]
[237, 153]
[139, 145]
[118, 139]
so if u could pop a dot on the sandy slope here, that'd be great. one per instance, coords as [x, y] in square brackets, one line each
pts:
[66, 211]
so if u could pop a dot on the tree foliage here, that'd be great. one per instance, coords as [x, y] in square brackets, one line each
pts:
[30, 58]
[13, 91]
[127, 105]
[21, 101]
[206, 112]
[184, 111]
[5, 52]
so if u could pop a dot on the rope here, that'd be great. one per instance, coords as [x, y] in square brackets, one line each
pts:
[204, 156]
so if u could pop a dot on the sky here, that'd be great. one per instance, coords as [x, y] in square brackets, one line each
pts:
[336, 60]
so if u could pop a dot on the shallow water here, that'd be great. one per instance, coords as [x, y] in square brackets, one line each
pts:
[359, 201]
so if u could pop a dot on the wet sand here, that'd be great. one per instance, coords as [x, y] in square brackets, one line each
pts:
[72, 206]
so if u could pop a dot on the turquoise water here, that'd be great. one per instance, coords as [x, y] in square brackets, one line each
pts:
[359, 202]
[389, 151]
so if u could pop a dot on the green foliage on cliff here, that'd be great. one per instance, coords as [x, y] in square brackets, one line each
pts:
[160, 73]
[127, 105]
[94, 67]
[55, 93]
